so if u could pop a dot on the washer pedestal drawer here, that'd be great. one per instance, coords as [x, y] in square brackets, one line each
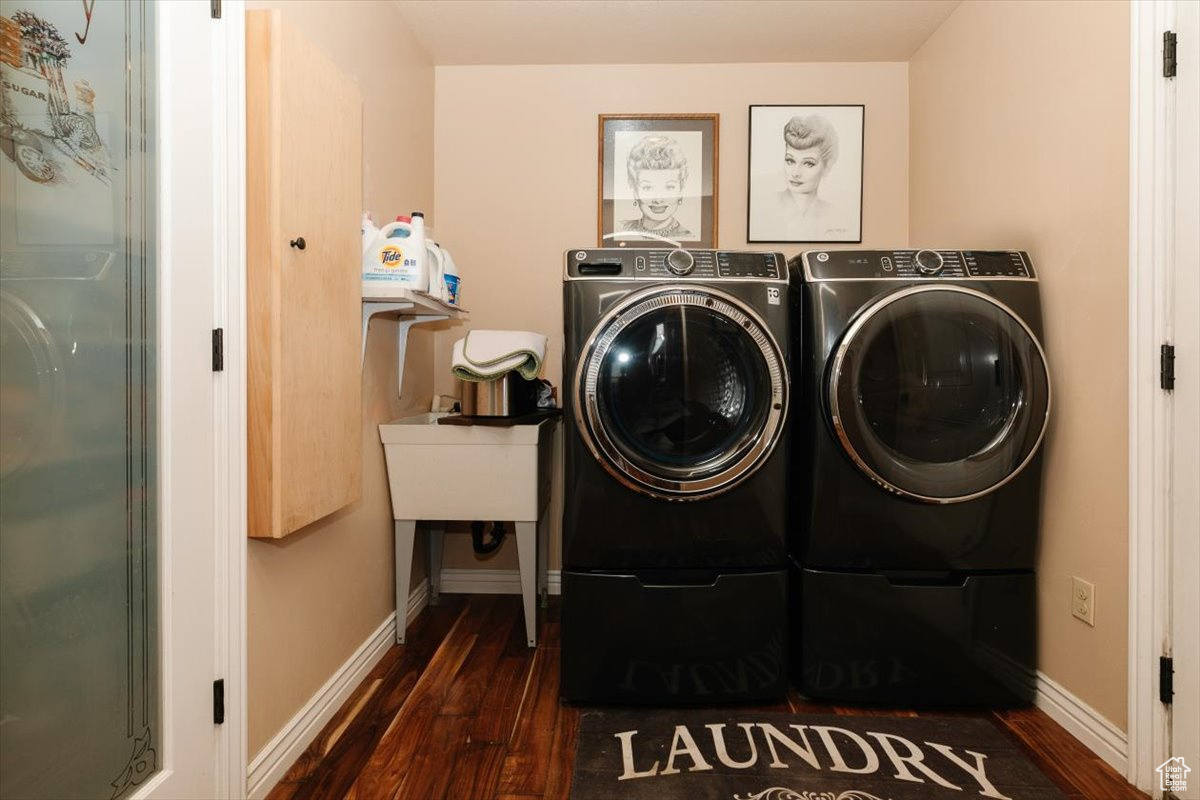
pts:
[863, 637]
[692, 637]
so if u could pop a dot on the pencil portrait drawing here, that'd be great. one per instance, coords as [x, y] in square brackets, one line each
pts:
[657, 180]
[805, 181]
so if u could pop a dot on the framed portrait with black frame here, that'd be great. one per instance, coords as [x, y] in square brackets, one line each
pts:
[805, 174]
[658, 179]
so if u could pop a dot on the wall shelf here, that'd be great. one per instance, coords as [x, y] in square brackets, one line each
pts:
[410, 308]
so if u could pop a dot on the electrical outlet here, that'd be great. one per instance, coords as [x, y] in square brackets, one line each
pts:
[1083, 600]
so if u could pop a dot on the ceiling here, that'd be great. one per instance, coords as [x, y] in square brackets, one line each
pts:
[671, 31]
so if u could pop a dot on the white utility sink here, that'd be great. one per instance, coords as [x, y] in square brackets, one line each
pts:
[469, 472]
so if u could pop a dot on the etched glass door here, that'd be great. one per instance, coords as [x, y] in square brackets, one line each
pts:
[80, 701]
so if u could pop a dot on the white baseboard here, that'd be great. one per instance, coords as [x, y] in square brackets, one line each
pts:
[492, 581]
[1083, 722]
[276, 758]
[1077, 717]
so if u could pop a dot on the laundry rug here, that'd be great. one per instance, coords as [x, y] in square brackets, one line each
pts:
[750, 755]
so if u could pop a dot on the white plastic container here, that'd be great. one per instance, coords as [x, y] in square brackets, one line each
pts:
[397, 258]
[421, 253]
[450, 282]
[436, 260]
[369, 232]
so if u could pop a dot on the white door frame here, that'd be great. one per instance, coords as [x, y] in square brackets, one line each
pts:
[189, 40]
[1151, 238]
[229, 192]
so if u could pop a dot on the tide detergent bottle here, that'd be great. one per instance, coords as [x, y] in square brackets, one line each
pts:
[397, 259]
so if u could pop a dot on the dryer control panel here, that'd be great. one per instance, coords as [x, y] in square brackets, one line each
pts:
[674, 264]
[833, 265]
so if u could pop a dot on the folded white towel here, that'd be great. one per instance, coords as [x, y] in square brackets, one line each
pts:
[487, 355]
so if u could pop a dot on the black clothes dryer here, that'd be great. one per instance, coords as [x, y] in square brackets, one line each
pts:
[918, 476]
[674, 533]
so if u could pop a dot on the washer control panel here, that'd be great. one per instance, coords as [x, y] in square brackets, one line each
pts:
[827, 265]
[620, 263]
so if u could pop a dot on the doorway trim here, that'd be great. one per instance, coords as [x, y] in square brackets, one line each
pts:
[220, 45]
[229, 82]
[1151, 215]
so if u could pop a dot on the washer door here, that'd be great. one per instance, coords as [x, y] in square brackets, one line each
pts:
[33, 376]
[939, 393]
[681, 392]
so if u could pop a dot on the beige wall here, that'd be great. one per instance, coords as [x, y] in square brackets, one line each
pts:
[515, 167]
[316, 595]
[995, 99]
[1020, 120]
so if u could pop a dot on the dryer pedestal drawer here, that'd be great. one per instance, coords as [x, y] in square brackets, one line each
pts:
[715, 638]
[866, 638]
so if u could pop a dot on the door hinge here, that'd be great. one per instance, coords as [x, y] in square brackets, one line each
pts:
[1168, 54]
[1166, 679]
[1166, 367]
[214, 7]
[219, 702]
[218, 349]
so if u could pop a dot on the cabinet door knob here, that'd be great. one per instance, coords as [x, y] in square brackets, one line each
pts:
[297, 243]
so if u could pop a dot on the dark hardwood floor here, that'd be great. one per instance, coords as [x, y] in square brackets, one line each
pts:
[466, 710]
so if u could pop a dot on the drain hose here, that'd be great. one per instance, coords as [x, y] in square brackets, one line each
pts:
[477, 542]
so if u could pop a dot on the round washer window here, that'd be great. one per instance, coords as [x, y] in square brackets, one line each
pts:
[939, 393]
[682, 392]
[682, 389]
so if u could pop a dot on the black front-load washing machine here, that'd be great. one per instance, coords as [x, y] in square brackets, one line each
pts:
[918, 476]
[674, 533]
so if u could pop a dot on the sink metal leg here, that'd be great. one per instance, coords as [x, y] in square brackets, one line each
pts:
[527, 556]
[543, 574]
[406, 530]
[436, 531]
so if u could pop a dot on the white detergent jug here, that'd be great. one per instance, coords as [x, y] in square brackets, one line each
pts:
[397, 259]
[369, 232]
[436, 261]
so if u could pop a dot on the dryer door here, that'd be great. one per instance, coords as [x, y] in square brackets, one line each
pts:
[682, 392]
[939, 393]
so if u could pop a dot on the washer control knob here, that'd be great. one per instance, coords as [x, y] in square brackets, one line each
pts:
[929, 262]
[680, 262]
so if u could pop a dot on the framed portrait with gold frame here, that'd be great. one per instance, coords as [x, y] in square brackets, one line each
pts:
[658, 179]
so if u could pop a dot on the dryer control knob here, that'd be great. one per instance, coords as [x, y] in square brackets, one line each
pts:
[680, 262]
[929, 262]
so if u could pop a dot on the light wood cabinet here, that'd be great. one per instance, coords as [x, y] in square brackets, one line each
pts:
[304, 206]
